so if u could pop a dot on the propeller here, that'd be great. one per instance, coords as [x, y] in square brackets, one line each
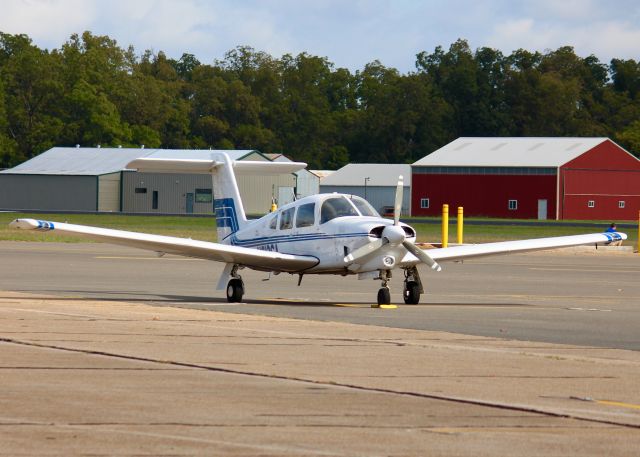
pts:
[394, 235]
[398, 206]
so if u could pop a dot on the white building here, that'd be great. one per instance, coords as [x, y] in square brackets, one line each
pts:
[376, 182]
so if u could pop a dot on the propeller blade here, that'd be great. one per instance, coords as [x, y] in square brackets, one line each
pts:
[365, 250]
[422, 255]
[398, 206]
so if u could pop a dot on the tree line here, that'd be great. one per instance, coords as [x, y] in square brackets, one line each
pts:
[93, 92]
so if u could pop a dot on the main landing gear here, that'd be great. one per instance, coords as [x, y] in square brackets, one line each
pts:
[412, 287]
[235, 287]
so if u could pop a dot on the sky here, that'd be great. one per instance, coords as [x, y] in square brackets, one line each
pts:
[350, 33]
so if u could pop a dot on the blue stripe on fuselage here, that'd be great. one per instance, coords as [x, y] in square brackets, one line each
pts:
[254, 242]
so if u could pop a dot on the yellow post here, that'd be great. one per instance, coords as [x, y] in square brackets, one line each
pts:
[445, 225]
[460, 223]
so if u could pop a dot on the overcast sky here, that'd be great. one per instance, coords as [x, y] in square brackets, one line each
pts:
[350, 33]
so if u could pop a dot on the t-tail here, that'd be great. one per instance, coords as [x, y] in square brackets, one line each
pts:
[229, 211]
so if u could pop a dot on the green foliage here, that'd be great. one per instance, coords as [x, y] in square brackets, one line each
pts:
[92, 91]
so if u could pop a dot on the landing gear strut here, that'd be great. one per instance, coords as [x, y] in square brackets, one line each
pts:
[412, 286]
[384, 296]
[235, 287]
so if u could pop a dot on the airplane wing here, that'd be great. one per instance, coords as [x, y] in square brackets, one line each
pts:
[253, 258]
[512, 247]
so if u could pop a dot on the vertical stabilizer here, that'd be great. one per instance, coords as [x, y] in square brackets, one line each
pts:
[227, 204]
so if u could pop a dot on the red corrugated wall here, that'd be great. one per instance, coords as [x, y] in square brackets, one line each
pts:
[483, 195]
[605, 175]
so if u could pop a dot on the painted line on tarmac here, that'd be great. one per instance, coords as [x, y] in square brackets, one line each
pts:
[618, 403]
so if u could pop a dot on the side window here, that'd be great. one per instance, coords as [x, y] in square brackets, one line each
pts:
[305, 215]
[274, 222]
[286, 219]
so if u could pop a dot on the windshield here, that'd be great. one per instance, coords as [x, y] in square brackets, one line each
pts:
[364, 207]
[336, 207]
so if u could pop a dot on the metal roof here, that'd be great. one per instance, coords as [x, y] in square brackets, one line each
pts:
[510, 152]
[379, 174]
[101, 161]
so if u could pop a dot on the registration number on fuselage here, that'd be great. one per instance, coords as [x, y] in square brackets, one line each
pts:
[268, 247]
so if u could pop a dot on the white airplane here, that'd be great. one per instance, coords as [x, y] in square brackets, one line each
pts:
[321, 234]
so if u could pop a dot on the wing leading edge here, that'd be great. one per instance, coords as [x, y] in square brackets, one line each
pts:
[253, 258]
[512, 247]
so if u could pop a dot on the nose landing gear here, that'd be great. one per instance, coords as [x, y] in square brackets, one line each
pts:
[384, 295]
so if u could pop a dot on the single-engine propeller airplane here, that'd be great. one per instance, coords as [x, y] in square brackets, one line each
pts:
[334, 233]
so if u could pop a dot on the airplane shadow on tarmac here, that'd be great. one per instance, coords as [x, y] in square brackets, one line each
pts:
[177, 300]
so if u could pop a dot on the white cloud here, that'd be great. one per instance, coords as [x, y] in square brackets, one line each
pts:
[605, 39]
[48, 22]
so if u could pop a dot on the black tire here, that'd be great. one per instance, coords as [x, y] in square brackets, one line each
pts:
[235, 290]
[384, 296]
[412, 293]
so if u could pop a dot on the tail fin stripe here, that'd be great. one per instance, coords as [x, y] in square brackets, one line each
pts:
[226, 215]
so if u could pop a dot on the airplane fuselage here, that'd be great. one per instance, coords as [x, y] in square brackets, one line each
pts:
[327, 227]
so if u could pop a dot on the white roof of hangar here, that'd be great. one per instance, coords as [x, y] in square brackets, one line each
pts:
[509, 152]
[101, 161]
[379, 174]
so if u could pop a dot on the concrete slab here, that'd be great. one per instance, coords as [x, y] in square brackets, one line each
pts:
[121, 378]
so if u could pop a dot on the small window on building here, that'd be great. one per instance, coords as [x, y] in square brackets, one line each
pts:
[513, 205]
[155, 200]
[591, 204]
[424, 203]
[306, 215]
[286, 219]
[204, 196]
[141, 190]
[274, 222]
[621, 204]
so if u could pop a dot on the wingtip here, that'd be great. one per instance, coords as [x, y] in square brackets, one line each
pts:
[24, 224]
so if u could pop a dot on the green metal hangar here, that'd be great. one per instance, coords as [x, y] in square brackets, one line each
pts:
[528, 178]
[95, 180]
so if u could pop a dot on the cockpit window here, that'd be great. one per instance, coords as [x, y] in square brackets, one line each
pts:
[274, 221]
[305, 215]
[336, 207]
[364, 207]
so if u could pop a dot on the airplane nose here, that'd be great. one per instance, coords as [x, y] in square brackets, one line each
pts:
[394, 234]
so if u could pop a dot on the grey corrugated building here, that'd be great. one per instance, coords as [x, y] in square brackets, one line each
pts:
[95, 179]
[376, 182]
[307, 182]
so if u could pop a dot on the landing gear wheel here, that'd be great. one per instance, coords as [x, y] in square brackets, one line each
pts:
[384, 296]
[411, 293]
[235, 290]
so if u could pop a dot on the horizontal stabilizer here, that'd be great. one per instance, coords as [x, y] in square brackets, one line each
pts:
[190, 166]
[196, 166]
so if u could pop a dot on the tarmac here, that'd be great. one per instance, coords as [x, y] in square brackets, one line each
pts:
[108, 351]
[114, 377]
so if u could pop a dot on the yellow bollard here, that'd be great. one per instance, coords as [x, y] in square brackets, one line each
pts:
[445, 225]
[460, 223]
